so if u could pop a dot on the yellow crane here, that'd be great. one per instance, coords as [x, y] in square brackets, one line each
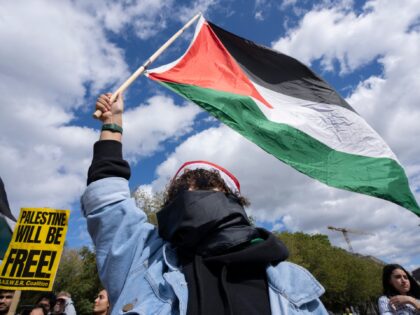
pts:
[345, 234]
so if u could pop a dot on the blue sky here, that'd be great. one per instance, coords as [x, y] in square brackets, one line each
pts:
[58, 56]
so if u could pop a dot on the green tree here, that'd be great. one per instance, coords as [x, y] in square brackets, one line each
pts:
[349, 280]
[150, 203]
[78, 275]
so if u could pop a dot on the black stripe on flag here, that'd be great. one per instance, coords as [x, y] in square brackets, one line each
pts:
[4, 203]
[278, 72]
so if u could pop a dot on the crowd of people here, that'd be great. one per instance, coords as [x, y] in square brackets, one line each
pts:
[205, 257]
[51, 304]
[401, 296]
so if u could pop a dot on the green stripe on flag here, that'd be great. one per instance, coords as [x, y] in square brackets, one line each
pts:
[380, 177]
[5, 236]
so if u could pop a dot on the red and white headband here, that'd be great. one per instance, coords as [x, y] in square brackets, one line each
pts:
[230, 180]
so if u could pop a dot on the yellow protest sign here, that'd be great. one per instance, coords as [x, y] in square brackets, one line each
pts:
[33, 256]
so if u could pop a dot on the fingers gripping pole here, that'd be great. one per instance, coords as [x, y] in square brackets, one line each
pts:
[152, 58]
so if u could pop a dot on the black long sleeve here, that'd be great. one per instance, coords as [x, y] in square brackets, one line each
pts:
[108, 161]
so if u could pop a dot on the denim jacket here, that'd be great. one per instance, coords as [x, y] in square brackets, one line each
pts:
[141, 271]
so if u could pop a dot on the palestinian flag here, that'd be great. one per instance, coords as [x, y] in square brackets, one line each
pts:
[5, 236]
[5, 229]
[282, 106]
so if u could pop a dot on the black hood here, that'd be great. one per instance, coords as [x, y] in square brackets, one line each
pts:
[205, 221]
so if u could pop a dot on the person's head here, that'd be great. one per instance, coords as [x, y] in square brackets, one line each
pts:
[203, 200]
[203, 175]
[46, 301]
[6, 298]
[101, 306]
[61, 301]
[38, 310]
[397, 281]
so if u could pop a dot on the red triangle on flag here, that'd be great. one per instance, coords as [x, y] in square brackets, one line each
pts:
[208, 64]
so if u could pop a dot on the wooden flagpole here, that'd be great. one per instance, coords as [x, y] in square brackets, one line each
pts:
[152, 58]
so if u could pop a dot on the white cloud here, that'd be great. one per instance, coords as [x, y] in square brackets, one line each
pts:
[186, 12]
[335, 33]
[262, 8]
[286, 3]
[147, 127]
[259, 16]
[147, 18]
[51, 53]
[51, 50]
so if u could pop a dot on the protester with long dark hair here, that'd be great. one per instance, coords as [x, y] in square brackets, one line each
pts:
[101, 306]
[401, 292]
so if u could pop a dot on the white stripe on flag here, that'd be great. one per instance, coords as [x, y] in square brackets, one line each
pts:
[335, 126]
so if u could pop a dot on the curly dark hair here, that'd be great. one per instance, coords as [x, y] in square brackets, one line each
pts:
[389, 289]
[200, 179]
